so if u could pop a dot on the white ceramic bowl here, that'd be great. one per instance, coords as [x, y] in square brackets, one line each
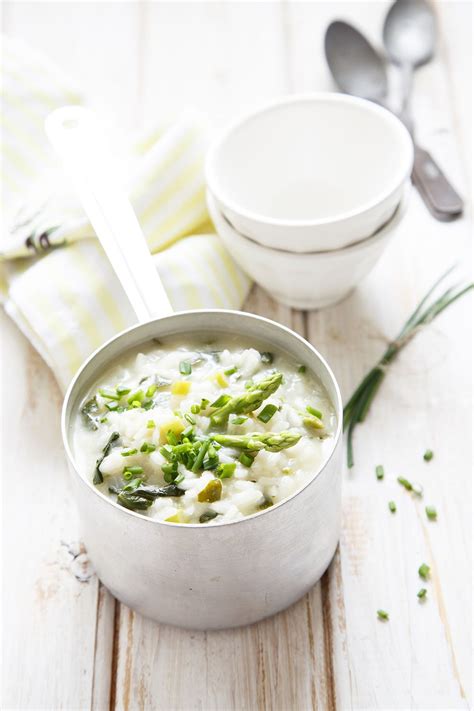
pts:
[311, 172]
[311, 280]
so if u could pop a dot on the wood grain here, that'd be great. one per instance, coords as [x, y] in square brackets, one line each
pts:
[68, 644]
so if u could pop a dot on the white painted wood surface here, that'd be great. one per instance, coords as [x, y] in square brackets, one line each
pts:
[67, 644]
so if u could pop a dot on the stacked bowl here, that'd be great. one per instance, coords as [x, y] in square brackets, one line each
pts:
[307, 192]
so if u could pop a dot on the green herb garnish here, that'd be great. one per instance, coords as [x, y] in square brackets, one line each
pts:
[98, 478]
[185, 367]
[195, 409]
[421, 594]
[133, 470]
[189, 419]
[392, 506]
[230, 371]
[121, 390]
[428, 455]
[405, 483]
[151, 424]
[226, 471]
[221, 400]
[267, 413]
[359, 404]
[90, 412]
[424, 571]
[382, 615]
[314, 411]
[379, 471]
[128, 452]
[431, 513]
[239, 420]
[246, 459]
[302, 369]
[148, 447]
[109, 394]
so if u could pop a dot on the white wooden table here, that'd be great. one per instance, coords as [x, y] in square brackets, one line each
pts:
[68, 644]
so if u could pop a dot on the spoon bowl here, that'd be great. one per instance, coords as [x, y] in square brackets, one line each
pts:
[409, 32]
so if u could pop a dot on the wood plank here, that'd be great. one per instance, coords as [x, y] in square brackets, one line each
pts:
[48, 614]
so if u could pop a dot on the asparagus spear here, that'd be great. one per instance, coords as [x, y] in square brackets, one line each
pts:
[253, 442]
[248, 401]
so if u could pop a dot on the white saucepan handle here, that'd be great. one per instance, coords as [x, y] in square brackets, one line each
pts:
[75, 134]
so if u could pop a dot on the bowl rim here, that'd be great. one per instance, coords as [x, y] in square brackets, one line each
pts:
[212, 178]
[381, 233]
[66, 437]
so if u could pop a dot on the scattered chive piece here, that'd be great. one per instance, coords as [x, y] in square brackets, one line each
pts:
[313, 411]
[382, 615]
[225, 471]
[189, 419]
[185, 367]
[379, 471]
[405, 483]
[421, 594]
[238, 420]
[302, 369]
[171, 438]
[151, 424]
[222, 400]
[195, 409]
[246, 460]
[428, 455]
[127, 476]
[267, 357]
[151, 390]
[204, 403]
[200, 457]
[431, 513]
[136, 403]
[109, 394]
[187, 432]
[112, 406]
[267, 413]
[424, 571]
[392, 506]
[133, 470]
[138, 396]
[128, 452]
[121, 391]
[103, 419]
[230, 371]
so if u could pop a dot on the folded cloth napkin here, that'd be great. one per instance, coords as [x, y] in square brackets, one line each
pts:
[55, 280]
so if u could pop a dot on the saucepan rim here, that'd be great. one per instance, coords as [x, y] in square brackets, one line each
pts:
[73, 386]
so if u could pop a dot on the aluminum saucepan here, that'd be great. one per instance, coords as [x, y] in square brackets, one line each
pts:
[222, 575]
[197, 576]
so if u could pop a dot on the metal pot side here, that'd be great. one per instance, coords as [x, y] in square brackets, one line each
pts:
[223, 575]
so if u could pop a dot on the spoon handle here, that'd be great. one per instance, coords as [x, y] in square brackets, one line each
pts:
[76, 135]
[437, 192]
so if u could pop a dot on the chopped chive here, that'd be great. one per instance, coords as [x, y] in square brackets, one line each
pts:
[379, 471]
[382, 615]
[151, 424]
[239, 420]
[189, 419]
[201, 454]
[246, 460]
[431, 513]
[147, 447]
[127, 476]
[187, 432]
[392, 506]
[222, 400]
[195, 409]
[151, 390]
[112, 406]
[424, 571]
[185, 367]
[121, 391]
[148, 405]
[166, 452]
[171, 437]
[267, 413]
[428, 455]
[302, 369]
[313, 411]
[103, 419]
[267, 357]
[405, 483]
[128, 452]
[421, 594]
[135, 471]
[204, 403]
[135, 404]
[230, 371]
[225, 471]
[109, 394]
[137, 396]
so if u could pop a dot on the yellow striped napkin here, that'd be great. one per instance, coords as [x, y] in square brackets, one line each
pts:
[55, 281]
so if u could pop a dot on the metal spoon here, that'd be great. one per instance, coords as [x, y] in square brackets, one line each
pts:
[359, 70]
[409, 35]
